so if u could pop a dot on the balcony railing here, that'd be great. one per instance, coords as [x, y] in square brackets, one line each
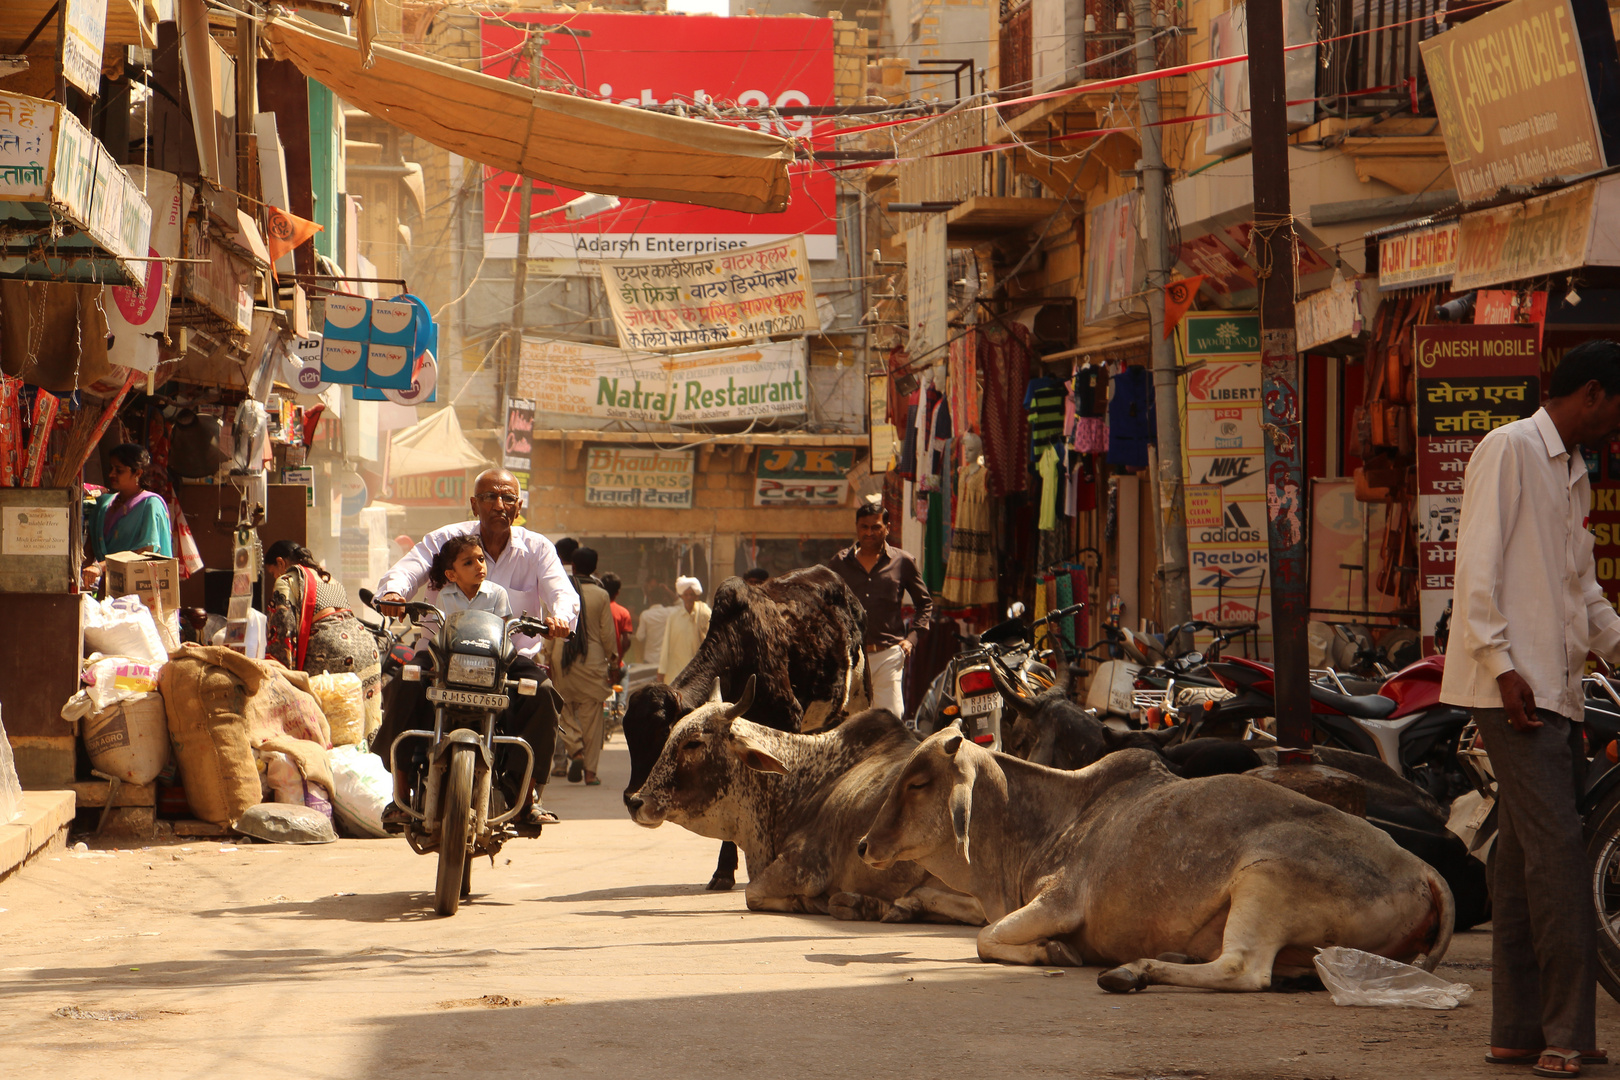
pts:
[1045, 45]
[1371, 73]
[947, 179]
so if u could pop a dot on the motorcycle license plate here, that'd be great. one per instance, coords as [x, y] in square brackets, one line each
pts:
[980, 704]
[468, 698]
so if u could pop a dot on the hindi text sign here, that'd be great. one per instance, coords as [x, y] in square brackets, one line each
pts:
[633, 476]
[720, 299]
[802, 477]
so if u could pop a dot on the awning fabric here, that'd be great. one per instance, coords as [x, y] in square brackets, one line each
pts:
[433, 445]
[129, 22]
[575, 142]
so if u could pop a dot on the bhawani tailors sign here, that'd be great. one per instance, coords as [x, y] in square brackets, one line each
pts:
[632, 476]
[1513, 98]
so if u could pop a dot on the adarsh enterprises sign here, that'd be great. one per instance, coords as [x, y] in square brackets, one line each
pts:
[1511, 92]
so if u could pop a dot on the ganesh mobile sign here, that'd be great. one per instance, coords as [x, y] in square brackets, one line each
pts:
[711, 300]
[1511, 91]
[1470, 381]
[578, 380]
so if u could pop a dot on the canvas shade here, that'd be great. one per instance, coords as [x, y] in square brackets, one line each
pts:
[575, 142]
[433, 445]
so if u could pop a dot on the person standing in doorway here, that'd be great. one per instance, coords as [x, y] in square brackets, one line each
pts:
[688, 625]
[579, 665]
[882, 576]
[1527, 609]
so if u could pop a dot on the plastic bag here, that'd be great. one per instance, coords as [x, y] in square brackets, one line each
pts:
[110, 680]
[289, 786]
[343, 700]
[121, 627]
[11, 800]
[1354, 977]
[281, 823]
[364, 787]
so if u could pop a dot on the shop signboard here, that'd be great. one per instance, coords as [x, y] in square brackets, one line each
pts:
[1513, 98]
[723, 299]
[1470, 381]
[82, 43]
[927, 310]
[1330, 315]
[223, 282]
[1224, 462]
[52, 168]
[658, 59]
[636, 476]
[578, 381]
[1535, 238]
[517, 448]
[802, 476]
[1420, 257]
[1228, 128]
[138, 314]
[430, 489]
[1605, 517]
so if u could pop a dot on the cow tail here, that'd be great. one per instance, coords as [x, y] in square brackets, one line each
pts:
[1445, 910]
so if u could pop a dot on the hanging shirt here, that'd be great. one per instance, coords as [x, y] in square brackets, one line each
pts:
[1043, 401]
[1091, 391]
[1049, 471]
[1131, 425]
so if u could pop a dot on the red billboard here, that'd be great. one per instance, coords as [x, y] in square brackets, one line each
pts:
[691, 60]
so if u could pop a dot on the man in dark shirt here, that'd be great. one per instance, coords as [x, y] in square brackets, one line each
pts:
[881, 576]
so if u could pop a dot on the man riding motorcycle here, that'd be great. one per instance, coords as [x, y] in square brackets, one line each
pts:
[526, 565]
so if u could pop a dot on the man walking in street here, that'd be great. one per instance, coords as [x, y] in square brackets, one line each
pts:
[1527, 610]
[688, 625]
[526, 565]
[882, 576]
[579, 666]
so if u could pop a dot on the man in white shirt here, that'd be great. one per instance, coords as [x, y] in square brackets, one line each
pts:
[684, 632]
[526, 565]
[1526, 610]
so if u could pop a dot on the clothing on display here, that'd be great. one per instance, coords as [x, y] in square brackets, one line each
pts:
[1049, 471]
[1004, 356]
[1131, 423]
[970, 572]
[1043, 401]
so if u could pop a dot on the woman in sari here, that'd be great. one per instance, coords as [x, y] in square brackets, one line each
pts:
[312, 628]
[128, 517]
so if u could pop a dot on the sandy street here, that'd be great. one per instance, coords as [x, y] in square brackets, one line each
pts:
[595, 952]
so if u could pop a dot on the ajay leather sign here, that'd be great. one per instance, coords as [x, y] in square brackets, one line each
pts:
[1511, 91]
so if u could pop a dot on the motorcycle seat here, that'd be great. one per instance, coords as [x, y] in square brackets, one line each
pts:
[1366, 706]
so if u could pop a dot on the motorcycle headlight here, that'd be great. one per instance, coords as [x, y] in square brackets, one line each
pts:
[471, 670]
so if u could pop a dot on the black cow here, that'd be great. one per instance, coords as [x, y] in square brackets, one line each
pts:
[1051, 730]
[799, 636]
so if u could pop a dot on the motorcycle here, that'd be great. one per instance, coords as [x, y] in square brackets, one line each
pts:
[966, 692]
[445, 781]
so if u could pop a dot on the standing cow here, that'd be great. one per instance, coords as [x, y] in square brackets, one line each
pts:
[798, 636]
[796, 804]
[1228, 879]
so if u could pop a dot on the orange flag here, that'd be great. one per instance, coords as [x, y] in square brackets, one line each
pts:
[284, 232]
[1178, 297]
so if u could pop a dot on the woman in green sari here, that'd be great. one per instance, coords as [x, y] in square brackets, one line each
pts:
[128, 517]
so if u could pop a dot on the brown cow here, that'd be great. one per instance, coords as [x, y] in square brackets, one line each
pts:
[1229, 879]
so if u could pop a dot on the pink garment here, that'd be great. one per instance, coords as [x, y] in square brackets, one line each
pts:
[1090, 435]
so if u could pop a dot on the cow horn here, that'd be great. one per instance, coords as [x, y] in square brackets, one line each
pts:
[1022, 701]
[745, 702]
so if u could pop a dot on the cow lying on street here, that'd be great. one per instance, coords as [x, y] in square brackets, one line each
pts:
[795, 805]
[1229, 880]
[798, 636]
[1051, 730]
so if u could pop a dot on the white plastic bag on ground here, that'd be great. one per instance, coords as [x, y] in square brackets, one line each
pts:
[110, 680]
[1354, 977]
[121, 626]
[364, 787]
[10, 789]
[343, 699]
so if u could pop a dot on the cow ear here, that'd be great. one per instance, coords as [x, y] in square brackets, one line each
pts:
[753, 754]
[952, 745]
[745, 702]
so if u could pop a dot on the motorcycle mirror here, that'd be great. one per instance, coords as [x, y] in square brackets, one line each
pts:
[411, 673]
[528, 687]
[1015, 609]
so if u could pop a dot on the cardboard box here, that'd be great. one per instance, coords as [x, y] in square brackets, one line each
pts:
[151, 577]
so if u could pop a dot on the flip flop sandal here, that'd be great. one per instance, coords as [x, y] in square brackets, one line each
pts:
[539, 815]
[593, 781]
[576, 769]
[561, 770]
[1531, 1059]
[1571, 1058]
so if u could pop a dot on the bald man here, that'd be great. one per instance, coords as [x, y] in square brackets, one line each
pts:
[527, 566]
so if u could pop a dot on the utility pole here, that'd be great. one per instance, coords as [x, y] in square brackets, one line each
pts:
[1176, 583]
[1274, 247]
[520, 267]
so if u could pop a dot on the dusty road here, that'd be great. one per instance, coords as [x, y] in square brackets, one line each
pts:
[595, 952]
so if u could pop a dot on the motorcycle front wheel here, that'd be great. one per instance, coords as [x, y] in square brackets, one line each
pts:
[1603, 851]
[455, 831]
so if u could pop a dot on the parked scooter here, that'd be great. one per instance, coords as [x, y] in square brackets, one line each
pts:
[966, 692]
[446, 785]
